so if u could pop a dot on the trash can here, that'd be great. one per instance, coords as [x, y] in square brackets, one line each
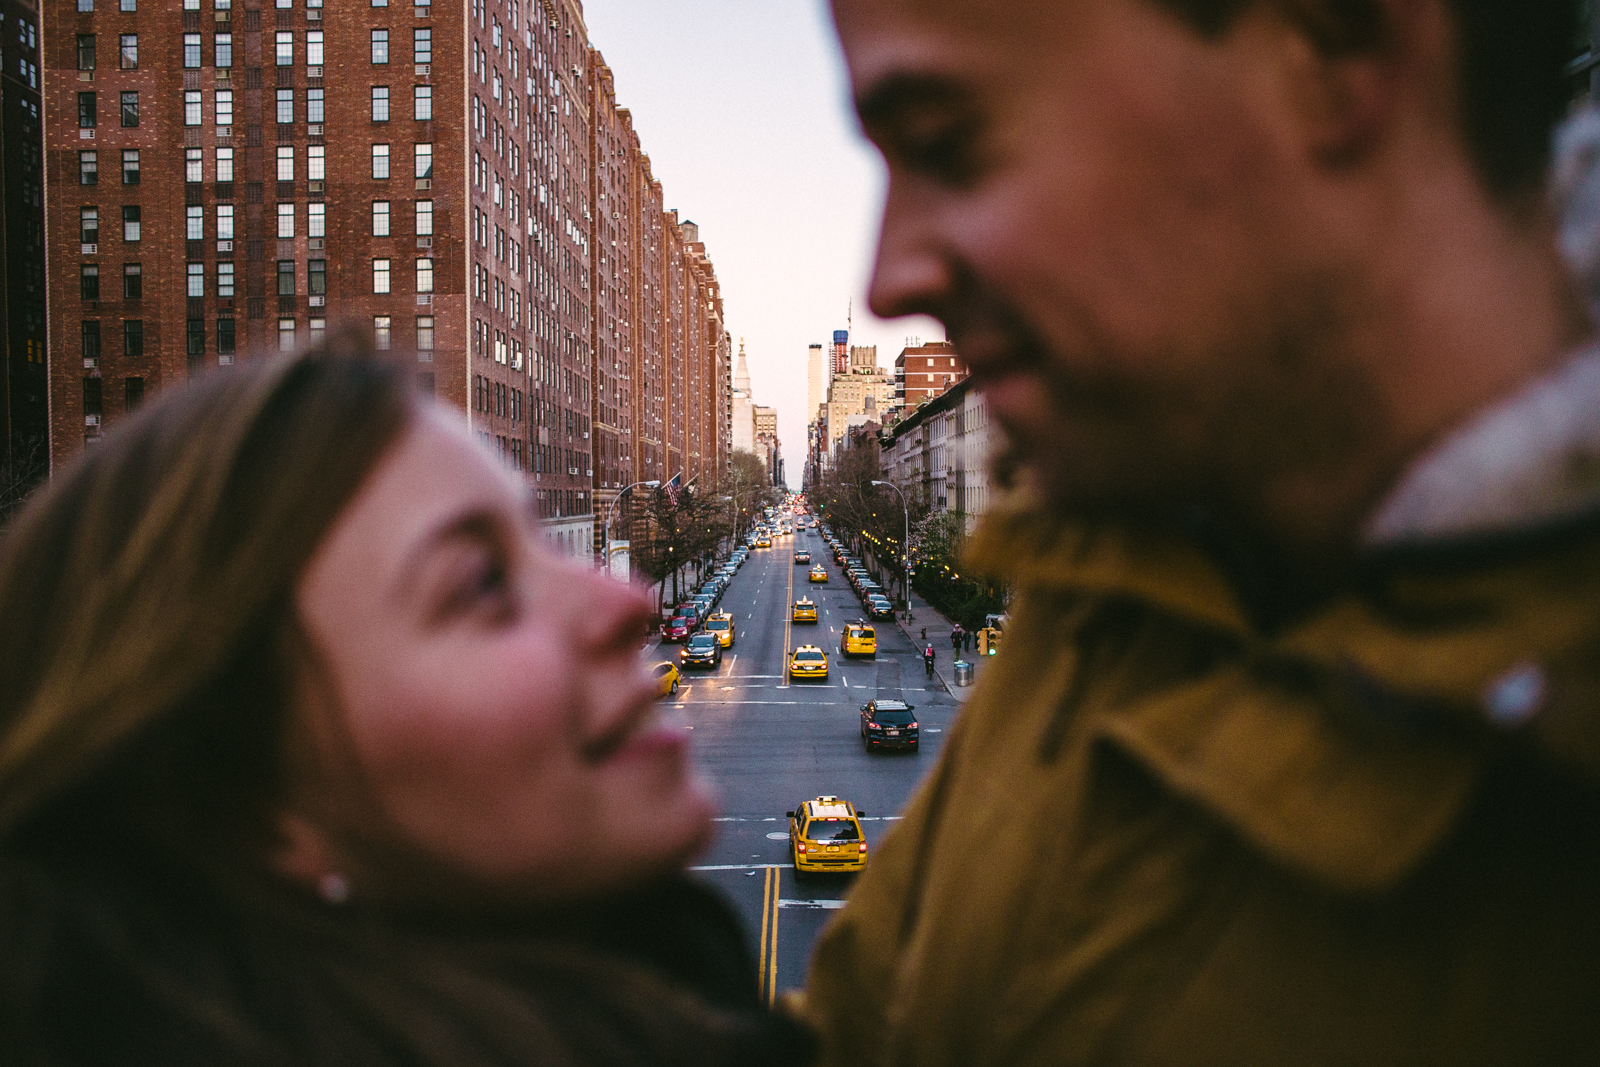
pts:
[963, 673]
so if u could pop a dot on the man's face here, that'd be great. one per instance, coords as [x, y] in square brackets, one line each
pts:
[1113, 218]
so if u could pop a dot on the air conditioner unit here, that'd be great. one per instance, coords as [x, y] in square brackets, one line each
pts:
[94, 420]
[89, 250]
[317, 301]
[224, 246]
[314, 130]
[424, 183]
[317, 187]
[224, 132]
[424, 299]
[86, 135]
[314, 14]
[90, 363]
[224, 74]
[316, 244]
[313, 72]
[424, 242]
[570, 470]
[423, 68]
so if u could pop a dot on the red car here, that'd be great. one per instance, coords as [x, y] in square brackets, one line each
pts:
[677, 629]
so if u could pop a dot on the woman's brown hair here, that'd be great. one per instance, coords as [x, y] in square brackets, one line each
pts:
[146, 590]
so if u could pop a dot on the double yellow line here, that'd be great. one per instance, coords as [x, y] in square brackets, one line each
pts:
[768, 969]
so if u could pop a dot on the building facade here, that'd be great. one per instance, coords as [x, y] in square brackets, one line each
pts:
[466, 187]
[923, 371]
[940, 453]
[24, 409]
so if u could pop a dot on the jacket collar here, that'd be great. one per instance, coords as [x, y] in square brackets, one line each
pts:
[1346, 746]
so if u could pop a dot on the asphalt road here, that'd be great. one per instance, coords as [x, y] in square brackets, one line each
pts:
[769, 744]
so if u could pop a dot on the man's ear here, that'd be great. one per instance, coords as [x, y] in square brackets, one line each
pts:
[1348, 63]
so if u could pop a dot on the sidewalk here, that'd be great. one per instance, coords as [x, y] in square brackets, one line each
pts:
[937, 627]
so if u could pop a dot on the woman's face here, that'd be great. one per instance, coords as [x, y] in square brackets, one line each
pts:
[481, 705]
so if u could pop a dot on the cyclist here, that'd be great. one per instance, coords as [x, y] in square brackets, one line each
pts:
[927, 660]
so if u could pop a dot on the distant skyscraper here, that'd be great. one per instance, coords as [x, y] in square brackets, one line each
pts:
[841, 352]
[816, 382]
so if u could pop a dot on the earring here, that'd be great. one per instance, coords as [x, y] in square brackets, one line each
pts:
[334, 888]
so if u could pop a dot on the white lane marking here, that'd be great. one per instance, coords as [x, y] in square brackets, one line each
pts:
[778, 835]
[740, 866]
[845, 680]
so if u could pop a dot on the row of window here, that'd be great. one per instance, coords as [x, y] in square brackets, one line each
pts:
[284, 106]
[88, 6]
[227, 341]
[195, 278]
[287, 216]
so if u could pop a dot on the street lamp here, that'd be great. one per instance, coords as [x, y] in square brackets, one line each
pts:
[905, 548]
[612, 514]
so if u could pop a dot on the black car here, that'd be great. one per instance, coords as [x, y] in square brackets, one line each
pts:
[802, 558]
[880, 609]
[889, 724]
[702, 650]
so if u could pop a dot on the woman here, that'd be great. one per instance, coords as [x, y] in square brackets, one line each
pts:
[309, 754]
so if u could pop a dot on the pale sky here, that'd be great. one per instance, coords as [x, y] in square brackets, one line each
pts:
[743, 108]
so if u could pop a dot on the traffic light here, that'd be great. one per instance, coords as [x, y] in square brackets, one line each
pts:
[988, 641]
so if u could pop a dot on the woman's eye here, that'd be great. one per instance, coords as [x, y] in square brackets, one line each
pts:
[484, 588]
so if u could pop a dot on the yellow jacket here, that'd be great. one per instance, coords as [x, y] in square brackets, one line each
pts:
[1159, 835]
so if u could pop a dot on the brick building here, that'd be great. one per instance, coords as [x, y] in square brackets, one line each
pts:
[467, 187]
[922, 372]
[23, 384]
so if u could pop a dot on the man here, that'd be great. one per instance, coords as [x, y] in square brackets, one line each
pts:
[955, 641]
[1293, 750]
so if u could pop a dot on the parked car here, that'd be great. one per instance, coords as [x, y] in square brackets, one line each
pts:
[676, 629]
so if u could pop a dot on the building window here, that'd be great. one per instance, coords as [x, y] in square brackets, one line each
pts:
[380, 161]
[128, 5]
[130, 109]
[316, 162]
[192, 107]
[88, 168]
[85, 5]
[196, 335]
[284, 53]
[425, 333]
[224, 222]
[285, 221]
[225, 165]
[424, 158]
[89, 225]
[224, 108]
[132, 394]
[89, 281]
[316, 107]
[317, 277]
[422, 102]
[194, 223]
[285, 106]
[316, 220]
[88, 111]
[191, 51]
[92, 396]
[132, 281]
[197, 278]
[424, 275]
[422, 46]
[223, 50]
[133, 338]
[225, 280]
[380, 276]
[380, 103]
[130, 166]
[318, 326]
[314, 48]
[194, 165]
[286, 163]
[382, 333]
[380, 218]
[285, 335]
[85, 51]
[225, 340]
[285, 277]
[89, 333]
[380, 46]
[424, 218]
[130, 223]
[129, 51]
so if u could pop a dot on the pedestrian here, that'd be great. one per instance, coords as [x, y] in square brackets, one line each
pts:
[1294, 732]
[276, 784]
[955, 640]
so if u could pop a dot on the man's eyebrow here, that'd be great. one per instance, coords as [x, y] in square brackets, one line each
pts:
[901, 91]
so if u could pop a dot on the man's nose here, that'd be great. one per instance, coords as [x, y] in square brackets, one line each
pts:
[912, 275]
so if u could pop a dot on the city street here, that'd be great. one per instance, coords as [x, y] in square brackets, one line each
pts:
[769, 744]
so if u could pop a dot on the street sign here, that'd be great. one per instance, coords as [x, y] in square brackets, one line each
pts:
[621, 560]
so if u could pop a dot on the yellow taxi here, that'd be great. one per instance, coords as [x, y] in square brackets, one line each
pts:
[805, 610]
[808, 661]
[721, 624]
[667, 678]
[763, 542]
[858, 639]
[825, 837]
[819, 573]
